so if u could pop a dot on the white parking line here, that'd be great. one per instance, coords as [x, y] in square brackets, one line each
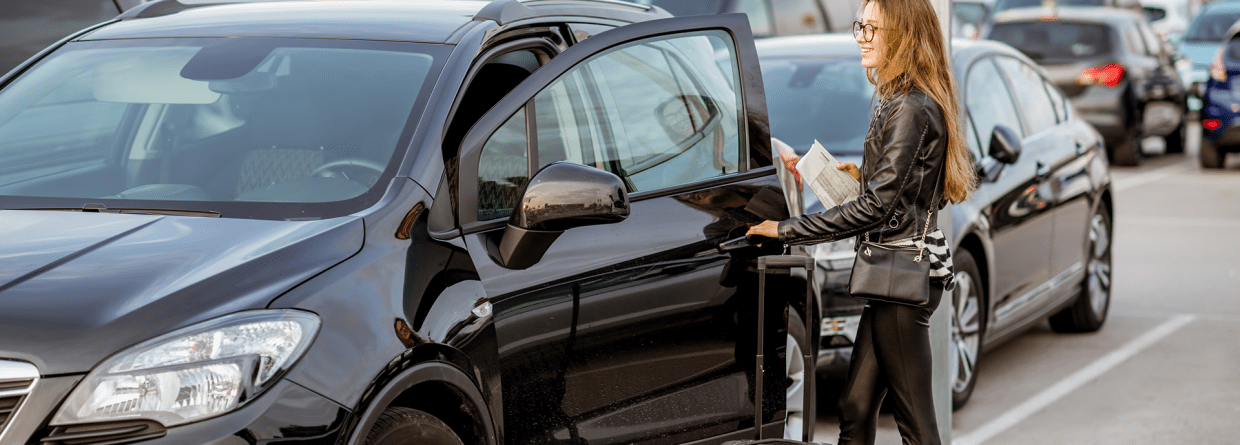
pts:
[1150, 176]
[1064, 387]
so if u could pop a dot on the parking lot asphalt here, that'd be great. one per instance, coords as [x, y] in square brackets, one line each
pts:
[1164, 367]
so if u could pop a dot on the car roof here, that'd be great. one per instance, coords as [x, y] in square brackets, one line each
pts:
[1078, 14]
[964, 51]
[399, 20]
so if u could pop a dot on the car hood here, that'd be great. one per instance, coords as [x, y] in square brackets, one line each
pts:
[77, 287]
[1201, 53]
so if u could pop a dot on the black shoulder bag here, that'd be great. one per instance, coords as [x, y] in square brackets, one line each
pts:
[893, 273]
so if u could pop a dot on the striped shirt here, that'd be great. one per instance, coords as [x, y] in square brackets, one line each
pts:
[940, 256]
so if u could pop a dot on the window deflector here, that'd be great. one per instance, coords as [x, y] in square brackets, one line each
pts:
[752, 120]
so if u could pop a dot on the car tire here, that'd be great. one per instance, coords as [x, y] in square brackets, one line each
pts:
[1089, 311]
[1177, 139]
[398, 425]
[1127, 150]
[967, 326]
[1209, 154]
[794, 364]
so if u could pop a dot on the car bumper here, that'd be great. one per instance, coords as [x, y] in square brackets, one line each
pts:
[1103, 108]
[1223, 104]
[286, 412]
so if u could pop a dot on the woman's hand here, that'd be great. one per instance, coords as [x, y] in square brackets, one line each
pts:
[851, 168]
[769, 229]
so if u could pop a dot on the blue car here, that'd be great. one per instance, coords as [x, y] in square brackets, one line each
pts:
[1200, 43]
[1221, 103]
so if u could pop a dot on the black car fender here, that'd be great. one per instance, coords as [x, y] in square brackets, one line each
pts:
[974, 235]
[404, 374]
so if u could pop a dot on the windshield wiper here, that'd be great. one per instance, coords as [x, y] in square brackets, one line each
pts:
[100, 208]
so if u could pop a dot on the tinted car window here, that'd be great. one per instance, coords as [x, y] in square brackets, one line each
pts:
[1210, 26]
[1036, 107]
[818, 99]
[1055, 41]
[988, 102]
[210, 120]
[1154, 14]
[658, 113]
[673, 111]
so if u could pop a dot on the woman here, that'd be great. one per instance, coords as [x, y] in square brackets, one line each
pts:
[915, 158]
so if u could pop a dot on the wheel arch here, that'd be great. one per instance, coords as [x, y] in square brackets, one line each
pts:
[439, 389]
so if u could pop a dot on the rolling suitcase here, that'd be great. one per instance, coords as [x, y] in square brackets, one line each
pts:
[785, 264]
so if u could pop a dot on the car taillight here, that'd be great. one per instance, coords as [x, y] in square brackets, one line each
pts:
[1217, 72]
[1211, 124]
[1108, 75]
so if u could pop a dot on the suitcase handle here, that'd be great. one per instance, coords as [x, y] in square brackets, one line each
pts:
[785, 262]
[810, 352]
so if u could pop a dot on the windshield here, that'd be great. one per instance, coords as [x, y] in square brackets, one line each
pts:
[1048, 42]
[259, 128]
[1210, 26]
[827, 100]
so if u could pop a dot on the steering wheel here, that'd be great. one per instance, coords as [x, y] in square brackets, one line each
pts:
[337, 168]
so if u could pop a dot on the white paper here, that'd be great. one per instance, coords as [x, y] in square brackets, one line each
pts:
[832, 186]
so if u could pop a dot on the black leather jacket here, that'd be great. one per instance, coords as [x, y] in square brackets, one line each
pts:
[905, 153]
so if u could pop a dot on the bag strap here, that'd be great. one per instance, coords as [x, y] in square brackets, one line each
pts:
[921, 143]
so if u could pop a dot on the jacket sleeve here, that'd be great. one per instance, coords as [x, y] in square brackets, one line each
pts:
[902, 136]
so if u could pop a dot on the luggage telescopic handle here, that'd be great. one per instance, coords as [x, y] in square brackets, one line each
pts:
[809, 352]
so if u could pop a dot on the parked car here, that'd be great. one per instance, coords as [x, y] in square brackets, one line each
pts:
[1004, 5]
[1201, 43]
[969, 17]
[389, 222]
[774, 17]
[30, 26]
[1221, 103]
[1035, 239]
[1116, 72]
[1167, 18]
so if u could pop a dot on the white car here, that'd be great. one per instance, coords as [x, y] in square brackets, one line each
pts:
[1168, 18]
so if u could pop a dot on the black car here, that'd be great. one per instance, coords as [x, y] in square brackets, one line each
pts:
[1114, 69]
[30, 26]
[389, 222]
[1035, 239]
[770, 18]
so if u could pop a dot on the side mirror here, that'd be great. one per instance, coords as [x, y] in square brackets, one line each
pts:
[1004, 144]
[559, 197]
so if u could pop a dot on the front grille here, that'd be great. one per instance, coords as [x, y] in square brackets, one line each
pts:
[109, 433]
[8, 406]
[16, 381]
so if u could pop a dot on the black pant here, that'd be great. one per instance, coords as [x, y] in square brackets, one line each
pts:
[892, 351]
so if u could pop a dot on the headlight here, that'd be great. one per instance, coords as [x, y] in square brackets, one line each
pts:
[193, 373]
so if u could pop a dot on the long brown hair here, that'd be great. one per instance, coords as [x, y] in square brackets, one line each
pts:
[916, 56]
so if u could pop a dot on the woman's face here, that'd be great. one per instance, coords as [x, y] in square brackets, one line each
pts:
[872, 51]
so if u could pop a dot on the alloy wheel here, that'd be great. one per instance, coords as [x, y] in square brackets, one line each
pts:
[796, 389]
[966, 331]
[1099, 265]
